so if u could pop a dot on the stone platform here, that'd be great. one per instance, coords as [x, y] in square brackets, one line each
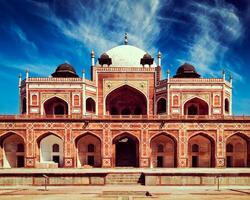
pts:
[125, 176]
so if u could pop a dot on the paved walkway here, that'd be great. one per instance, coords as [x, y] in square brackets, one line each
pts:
[124, 192]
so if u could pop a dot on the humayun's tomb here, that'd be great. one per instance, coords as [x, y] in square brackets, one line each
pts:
[126, 116]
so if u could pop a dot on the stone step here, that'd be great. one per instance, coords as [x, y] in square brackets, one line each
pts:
[128, 181]
[124, 179]
[120, 193]
[127, 177]
[124, 175]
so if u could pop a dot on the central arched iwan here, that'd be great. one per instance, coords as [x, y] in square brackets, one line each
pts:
[126, 100]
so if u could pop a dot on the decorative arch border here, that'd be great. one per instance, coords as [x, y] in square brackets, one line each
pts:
[124, 133]
[239, 133]
[119, 86]
[138, 141]
[129, 83]
[91, 97]
[2, 136]
[44, 135]
[175, 140]
[192, 97]
[212, 139]
[203, 134]
[87, 133]
[161, 98]
[53, 96]
[168, 134]
[78, 137]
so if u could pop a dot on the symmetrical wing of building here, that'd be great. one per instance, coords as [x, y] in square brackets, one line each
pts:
[125, 116]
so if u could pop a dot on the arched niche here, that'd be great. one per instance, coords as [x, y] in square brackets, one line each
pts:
[90, 105]
[161, 106]
[163, 151]
[88, 150]
[24, 109]
[238, 151]
[226, 105]
[196, 106]
[56, 106]
[201, 151]
[13, 150]
[51, 150]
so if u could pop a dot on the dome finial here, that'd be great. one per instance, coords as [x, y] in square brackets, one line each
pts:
[27, 73]
[159, 58]
[92, 57]
[126, 38]
[231, 78]
[224, 74]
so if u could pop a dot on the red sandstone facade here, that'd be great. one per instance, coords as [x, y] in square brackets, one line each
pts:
[125, 116]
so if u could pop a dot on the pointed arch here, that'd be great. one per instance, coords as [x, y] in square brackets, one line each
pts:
[226, 105]
[161, 106]
[40, 137]
[13, 150]
[195, 106]
[167, 157]
[205, 156]
[84, 134]
[125, 150]
[168, 134]
[126, 100]
[210, 137]
[24, 105]
[237, 150]
[9, 133]
[125, 134]
[90, 105]
[55, 147]
[55, 106]
[88, 150]
[45, 150]
[241, 134]
[195, 148]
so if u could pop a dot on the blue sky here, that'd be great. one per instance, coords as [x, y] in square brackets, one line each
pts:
[41, 34]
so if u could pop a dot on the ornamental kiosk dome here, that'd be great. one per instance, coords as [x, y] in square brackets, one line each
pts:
[186, 71]
[105, 59]
[65, 70]
[147, 59]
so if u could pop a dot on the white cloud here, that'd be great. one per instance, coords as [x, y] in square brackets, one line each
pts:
[217, 27]
[102, 26]
[43, 68]
[22, 36]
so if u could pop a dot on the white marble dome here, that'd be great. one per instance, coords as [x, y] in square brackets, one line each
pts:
[126, 56]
